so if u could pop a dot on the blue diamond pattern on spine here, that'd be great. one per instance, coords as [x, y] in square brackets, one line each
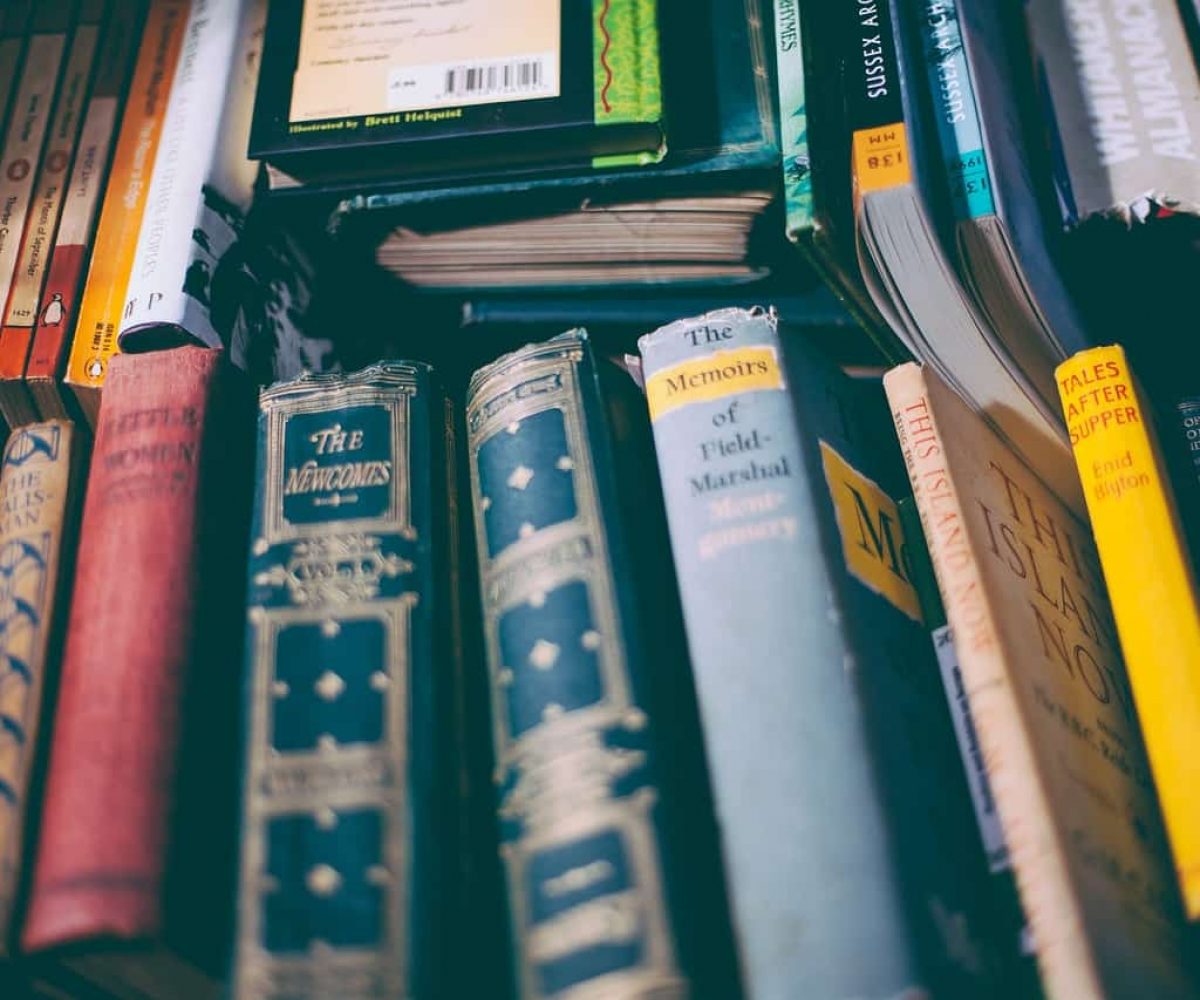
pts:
[586, 880]
[329, 685]
[325, 881]
[525, 477]
[549, 646]
[30, 442]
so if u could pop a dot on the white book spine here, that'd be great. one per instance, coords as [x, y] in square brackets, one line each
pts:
[202, 184]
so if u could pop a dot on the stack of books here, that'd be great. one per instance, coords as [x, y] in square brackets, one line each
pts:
[670, 494]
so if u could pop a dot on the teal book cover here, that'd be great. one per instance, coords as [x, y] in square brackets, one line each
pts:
[347, 807]
[853, 859]
[607, 834]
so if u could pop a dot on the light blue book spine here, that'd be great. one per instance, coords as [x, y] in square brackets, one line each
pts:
[960, 134]
[816, 907]
[793, 118]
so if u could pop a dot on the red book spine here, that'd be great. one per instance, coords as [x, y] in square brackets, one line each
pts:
[110, 786]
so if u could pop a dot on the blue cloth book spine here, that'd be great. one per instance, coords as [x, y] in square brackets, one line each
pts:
[595, 888]
[855, 869]
[345, 805]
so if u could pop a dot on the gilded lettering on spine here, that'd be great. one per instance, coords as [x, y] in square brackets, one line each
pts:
[572, 745]
[34, 479]
[323, 900]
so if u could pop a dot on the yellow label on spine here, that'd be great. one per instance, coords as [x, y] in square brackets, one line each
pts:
[1150, 581]
[720, 374]
[880, 158]
[872, 537]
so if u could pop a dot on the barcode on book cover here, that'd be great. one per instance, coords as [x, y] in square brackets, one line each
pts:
[521, 78]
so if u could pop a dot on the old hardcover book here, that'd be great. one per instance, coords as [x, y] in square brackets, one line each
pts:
[202, 184]
[134, 852]
[346, 823]
[901, 199]
[94, 331]
[82, 195]
[21, 153]
[411, 90]
[39, 494]
[835, 752]
[16, 404]
[1150, 577]
[1050, 698]
[13, 18]
[613, 877]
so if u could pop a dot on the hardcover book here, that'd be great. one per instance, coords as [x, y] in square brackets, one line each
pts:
[56, 309]
[39, 494]
[1051, 703]
[413, 89]
[134, 856]
[93, 328]
[724, 138]
[346, 828]
[21, 152]
[202, 184]
[829, 741]
[1145, 556]
[613, 879]
[17, 330]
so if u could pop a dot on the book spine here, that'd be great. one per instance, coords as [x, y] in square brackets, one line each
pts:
[1150, 580]
[880, 154]
[734, 471]
[579, 801]
[793, 118]
[36, 492]
[42, 223]
[12, 47]
[19, 159]
[60, 296]
[195, 208]
[340, 796]
[1050, 904]
[110, 785]
[627, 76]
[95, 332]
[956, 111]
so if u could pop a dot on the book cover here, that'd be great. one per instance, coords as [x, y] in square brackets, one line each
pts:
[82, 196]
[723, 136]
[1122, 102]
[202, 184]
[405, 89]
[829, 742]
[94, 332]
[1146, 562]
[1053, 711]
[28, 124]
[346, 829]
[16, 330]
[135, 836]
[13, 19]
[613, 877]
[39, 493]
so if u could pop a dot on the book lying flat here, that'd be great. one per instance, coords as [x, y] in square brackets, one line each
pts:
[402, 88]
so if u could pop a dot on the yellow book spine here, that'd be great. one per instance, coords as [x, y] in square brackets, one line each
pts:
[1150, 582]
[95, 340]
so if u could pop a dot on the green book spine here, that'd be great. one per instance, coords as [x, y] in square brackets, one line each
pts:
[793, 119]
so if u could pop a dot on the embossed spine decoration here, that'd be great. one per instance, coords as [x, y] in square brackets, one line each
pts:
[36, 493]
[578, 799]
[342, 798]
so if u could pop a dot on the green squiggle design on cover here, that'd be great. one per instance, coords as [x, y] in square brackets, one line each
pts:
[628, 83]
